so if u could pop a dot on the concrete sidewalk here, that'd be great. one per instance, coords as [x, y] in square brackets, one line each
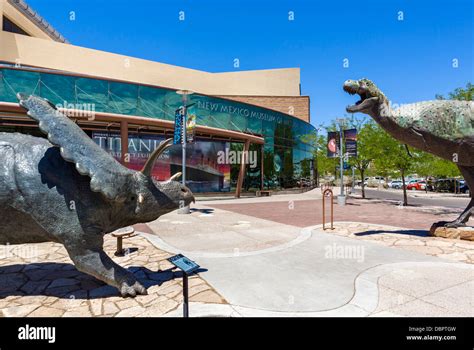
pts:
[388, 290]
[266, 268]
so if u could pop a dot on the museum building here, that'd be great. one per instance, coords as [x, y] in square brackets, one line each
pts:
[128, 105]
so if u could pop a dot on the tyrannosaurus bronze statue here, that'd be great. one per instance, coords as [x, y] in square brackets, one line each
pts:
[444, 128]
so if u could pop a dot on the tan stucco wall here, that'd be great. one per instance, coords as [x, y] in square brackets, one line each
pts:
[20, 20]
[53, 55]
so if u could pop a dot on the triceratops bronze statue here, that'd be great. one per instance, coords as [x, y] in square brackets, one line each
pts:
[68, 190]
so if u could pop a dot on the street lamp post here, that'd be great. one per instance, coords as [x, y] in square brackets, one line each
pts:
[184, 94]
[315, 159]
[353, 179]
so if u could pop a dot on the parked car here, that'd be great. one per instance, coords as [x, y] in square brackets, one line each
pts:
[416, 185]
[375, 181]
[305, 182]
[451, 185]
[359, 182]
[464, 188]
[398, 184]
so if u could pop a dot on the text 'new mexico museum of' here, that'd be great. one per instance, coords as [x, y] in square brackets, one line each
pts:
[127, 105]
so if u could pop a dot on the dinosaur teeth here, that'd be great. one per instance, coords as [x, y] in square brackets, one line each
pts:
[349, 90]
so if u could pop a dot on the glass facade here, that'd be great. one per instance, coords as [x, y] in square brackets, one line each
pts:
[287, 158]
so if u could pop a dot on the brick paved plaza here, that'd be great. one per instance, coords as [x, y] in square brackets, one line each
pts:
[276, 248]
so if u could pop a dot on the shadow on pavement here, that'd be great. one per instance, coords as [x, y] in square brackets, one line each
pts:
[410, 232]
[202, 210]
[65, 281]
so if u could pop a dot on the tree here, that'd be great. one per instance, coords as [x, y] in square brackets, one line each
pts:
[327, 165]
[466, 94]
[365, 150]
[390, 155]
[432, 166]
[362, 161]
[366, 134]
[444, 168]
[324, 165]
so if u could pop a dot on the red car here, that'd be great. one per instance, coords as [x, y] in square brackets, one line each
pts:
[416, 185]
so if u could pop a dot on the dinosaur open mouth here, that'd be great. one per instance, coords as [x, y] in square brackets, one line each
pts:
[352, 91]
[366, 99]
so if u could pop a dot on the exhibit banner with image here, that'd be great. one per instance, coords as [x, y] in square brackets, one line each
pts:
[204, 173]
[190, 123]
[139, 149]
[350, 137]
[333, 144]
[178, 126]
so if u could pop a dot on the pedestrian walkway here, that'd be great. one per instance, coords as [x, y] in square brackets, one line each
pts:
[259, 259]
[266, 268]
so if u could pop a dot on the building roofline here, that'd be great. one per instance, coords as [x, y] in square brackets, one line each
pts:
[39, 21]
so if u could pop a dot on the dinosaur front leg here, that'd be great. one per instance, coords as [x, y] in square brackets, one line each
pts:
[94, 261]
[464, 217]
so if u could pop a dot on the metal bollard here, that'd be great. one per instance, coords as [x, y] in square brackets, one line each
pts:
[328, 194]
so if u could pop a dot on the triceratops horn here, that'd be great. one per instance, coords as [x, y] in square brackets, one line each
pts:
[147, 168]
[175, 176]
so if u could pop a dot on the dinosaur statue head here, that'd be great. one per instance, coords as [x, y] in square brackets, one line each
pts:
[156, 198]
[176, 193]
[160, 197]
[371, 98]
[135, 195]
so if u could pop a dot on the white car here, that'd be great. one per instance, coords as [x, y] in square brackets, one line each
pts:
[375, 181]
[398, 184]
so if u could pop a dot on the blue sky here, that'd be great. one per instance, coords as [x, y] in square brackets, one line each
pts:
[410, 60]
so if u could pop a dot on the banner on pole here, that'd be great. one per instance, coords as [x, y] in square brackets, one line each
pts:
[178, 126]
[350, 137]
[190, 123]
[333, 144]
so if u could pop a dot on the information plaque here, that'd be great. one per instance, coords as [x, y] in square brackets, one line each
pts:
[183, 263]
[187, 266]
